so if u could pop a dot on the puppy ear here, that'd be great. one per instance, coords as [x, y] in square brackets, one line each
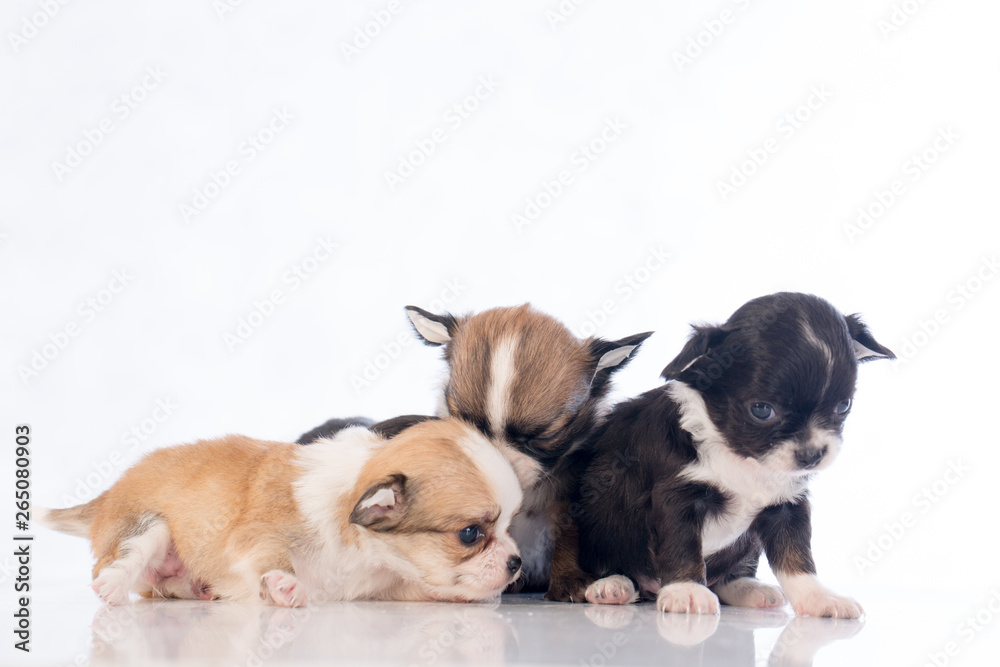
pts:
[382, 506]
[434, 329]
[865, 345]
[617, 353]
[698, 345]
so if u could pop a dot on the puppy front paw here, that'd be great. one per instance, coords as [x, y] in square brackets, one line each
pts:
[687, 597]
[810, 598]
[568, 589]
[825, 603]
[616, 589]
[285, 589]
[111, 585]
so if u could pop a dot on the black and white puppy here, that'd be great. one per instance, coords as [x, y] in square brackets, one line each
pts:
[684, 486]
[536, 392]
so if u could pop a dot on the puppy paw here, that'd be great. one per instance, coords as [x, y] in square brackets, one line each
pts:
[616, 589]
[568, 589]
[285, 589]
[810, 598]
[112, 586]
[687, 597]
[202, 591]
[825, 603]
[749, 592]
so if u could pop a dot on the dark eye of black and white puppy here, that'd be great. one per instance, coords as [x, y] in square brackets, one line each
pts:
[777, 379]
[763, 412]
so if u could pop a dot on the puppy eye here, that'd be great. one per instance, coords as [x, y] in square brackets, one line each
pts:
[844, 407]
[470, 534]
[762, 411]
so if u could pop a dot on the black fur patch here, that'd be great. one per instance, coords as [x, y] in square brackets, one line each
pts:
[639, 516]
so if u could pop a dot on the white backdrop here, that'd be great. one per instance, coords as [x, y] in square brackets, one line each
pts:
[213, 214]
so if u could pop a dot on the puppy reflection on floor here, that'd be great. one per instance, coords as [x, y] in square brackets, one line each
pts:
[237, 634]
[708, 639]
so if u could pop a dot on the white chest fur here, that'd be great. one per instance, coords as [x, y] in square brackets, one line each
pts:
[749, 485]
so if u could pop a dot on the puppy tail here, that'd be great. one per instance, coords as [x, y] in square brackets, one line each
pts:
[71, 520]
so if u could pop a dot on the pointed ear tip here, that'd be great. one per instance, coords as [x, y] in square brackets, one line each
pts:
[881, 353]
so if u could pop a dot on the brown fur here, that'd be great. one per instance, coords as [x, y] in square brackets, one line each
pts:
[568, 582]
[230, 510]
[218, 498]
[72, 520]
[551, 364]
[446, 490]
[443, 473]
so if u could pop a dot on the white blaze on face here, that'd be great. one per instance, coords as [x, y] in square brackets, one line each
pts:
[492, 563]
[782, 457]
[527, 469]
[810, 335]
[502, 372]
[498, 472]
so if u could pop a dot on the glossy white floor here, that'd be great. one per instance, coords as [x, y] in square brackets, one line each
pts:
[71, 627]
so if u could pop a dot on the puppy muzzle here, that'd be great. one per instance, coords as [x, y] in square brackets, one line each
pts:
[808, 458]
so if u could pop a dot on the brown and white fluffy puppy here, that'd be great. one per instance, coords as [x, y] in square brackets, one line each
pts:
[537, 392]
[421, 516]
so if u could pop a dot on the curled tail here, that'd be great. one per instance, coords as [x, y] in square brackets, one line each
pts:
[71, 520]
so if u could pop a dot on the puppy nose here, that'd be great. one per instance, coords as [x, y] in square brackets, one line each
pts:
[513, 564]
[808, 458]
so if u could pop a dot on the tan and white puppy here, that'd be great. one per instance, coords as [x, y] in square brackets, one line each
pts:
[421, 516]
[537, 392]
